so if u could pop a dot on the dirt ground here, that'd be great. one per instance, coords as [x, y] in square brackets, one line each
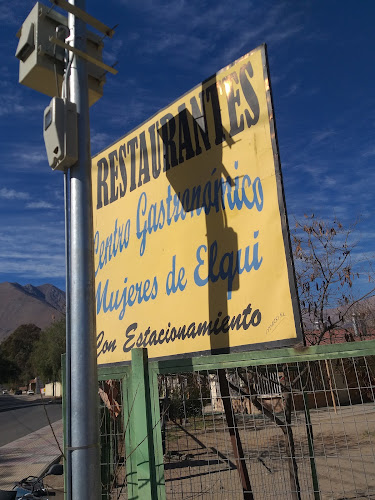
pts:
[200, 462]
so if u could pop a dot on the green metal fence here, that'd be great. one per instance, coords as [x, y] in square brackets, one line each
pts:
[275, 424]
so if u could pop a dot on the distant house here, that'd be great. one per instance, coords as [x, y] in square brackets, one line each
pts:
[35, 385]
[337, 336]
[54, 389]
[326, 383]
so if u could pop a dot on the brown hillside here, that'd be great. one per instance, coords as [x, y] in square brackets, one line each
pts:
[28, 304]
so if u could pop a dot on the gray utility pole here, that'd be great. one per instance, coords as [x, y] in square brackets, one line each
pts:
[84, 430]
[66, 131]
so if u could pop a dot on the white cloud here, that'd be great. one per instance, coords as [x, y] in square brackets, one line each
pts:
[276, 26]
[35, 155]
[15, 102]
[12, 194]
[100, 140]
[323, 135]
[329, 181]
[7, 13]
[45, 266]
[189, 32]
[11, 12]
[132, 113]
[369, 152]
[284, 34]
[25, 157]
[292, 89]
[35, 250]
[39, 204]
[175, 45]
[112, 50]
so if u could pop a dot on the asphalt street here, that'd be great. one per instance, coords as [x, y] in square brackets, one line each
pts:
[8, 401]
[21, 415]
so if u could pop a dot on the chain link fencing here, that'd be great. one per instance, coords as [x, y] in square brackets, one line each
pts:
[276, 426]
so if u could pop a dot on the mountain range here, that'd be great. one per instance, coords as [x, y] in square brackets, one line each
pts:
[40, 305]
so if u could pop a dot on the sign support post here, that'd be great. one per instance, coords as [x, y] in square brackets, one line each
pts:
[84, 430]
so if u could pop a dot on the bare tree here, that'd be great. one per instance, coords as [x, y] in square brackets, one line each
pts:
[326, 271]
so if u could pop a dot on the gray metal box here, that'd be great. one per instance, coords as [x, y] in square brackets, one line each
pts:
[39, 57]
[60, 133]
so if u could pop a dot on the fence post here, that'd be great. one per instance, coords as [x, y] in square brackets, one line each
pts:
[141, 417]
[131, 463]
[156, 422]
[310, 441]
[105, 454]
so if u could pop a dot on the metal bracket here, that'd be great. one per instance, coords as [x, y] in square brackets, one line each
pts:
[81, 14]
[82, 54]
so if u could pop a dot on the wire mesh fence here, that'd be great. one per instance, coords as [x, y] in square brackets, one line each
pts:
[307, 430]
[297, 430]
[112, 440]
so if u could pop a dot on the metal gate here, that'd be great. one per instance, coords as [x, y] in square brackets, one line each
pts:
[301, 425]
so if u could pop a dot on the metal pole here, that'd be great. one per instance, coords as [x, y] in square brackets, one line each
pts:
[85, 451]
[330, 386]
[68, 462]
[235, 436]
[310, 441]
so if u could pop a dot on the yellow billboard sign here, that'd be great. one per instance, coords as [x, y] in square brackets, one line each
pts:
[190, 236]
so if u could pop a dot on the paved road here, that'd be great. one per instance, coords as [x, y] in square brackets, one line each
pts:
[8, 401]
[21, 415]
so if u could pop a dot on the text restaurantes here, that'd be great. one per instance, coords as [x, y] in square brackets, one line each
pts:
[170, 141]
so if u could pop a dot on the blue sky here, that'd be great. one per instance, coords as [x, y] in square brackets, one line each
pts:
[321, 57]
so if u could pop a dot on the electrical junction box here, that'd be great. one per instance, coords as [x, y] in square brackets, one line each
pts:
[60, 133]
[41, 61]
